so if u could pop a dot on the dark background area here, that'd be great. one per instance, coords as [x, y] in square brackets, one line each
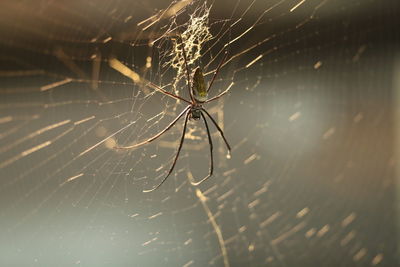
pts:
[313, 125]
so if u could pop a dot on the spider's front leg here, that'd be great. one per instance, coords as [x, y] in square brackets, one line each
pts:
[186, 110]
[220, 131]
[211, 170]
[176, 156]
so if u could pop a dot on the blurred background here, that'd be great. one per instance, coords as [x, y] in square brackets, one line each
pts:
[311, 116]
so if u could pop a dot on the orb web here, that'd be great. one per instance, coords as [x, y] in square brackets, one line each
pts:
[309, 117]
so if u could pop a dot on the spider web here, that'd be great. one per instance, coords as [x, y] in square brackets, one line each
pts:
[309, 115]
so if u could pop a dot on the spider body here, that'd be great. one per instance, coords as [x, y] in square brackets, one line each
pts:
[199, 93]
[194, 110]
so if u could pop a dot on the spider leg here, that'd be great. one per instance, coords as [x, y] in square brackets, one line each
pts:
[218, 96]
[216, 72]
[211, 154]
[157, 135]
[187, 70]
[176, 156]
[158, 88]
[220, 131]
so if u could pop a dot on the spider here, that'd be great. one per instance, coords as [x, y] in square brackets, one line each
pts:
[194, 111]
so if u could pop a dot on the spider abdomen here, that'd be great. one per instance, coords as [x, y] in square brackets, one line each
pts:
[199, 86]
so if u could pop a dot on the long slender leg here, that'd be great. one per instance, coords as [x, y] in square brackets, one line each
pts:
[124, 70]
[157, 135]
[176, 157]
[158, 88]
[187, 70]
[218, 96]
[216, 72]
[211, 154]
[220, 131]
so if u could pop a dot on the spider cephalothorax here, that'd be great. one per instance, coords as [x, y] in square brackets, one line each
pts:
[194, 110]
